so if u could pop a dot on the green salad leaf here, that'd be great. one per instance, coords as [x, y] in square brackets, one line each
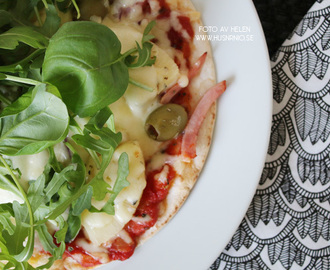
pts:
[33, 123]
[5, 17]
[10, 39]
[83, 62]
[121, 182]
[49, 75]
[144, 53]
[52, 22]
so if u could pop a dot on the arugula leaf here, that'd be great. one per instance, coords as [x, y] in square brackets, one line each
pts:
[48, 244]
[6, 182]
[82, 61]
[46, 239]
[74, 225]
[35, 189]
[101, 118]
[105, 145]
[67, 194]
[15, 242]
[30, 61]
[21, 10]
[121, 182]
[144, 57]
[104, 141]
[33, 123]
[5, 17]
[6, 212]
[10, 39]
[144, 52]
[52, 22]
[60, 234]
[57, 181]
[57, 254]
[146, 37]
[14, 264]
[108, 139]
[83, 202]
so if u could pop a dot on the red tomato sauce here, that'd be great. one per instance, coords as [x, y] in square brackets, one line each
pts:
[147, 214]
[148, 209]
[164, 11]
[174, 147]
[178, 41]
[146, 9]
[119, 250]
[85, 259]
[183, 98]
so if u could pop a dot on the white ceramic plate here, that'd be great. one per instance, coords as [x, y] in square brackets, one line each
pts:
[198, 233]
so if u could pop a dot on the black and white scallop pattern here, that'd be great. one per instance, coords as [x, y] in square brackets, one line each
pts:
[287, 225]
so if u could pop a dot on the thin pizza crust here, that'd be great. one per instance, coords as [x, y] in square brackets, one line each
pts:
[188, 173]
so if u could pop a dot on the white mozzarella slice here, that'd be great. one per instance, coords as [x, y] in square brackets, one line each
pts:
[8, 197]
[30, 166]
[128, 119]
[101, 227]
[132, 110]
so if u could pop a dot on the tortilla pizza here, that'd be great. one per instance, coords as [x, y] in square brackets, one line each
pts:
[162, 127]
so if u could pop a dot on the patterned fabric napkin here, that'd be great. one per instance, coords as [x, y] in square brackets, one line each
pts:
[287, 225]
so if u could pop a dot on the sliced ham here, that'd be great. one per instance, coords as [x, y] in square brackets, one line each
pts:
[190, 135]
[172, 91]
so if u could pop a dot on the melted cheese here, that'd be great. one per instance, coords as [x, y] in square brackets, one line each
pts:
[101, 227]
[132, 110]
[30, 166]
[9, 197]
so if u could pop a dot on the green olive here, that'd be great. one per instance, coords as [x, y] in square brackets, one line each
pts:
[166, 122]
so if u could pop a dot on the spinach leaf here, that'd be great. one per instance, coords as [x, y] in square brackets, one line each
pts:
[33, 123]
[83, 62]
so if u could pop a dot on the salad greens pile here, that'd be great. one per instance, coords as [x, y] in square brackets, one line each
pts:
[49, 74]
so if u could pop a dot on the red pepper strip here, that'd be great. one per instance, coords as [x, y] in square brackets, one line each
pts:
[189, 139]
[172, 91]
